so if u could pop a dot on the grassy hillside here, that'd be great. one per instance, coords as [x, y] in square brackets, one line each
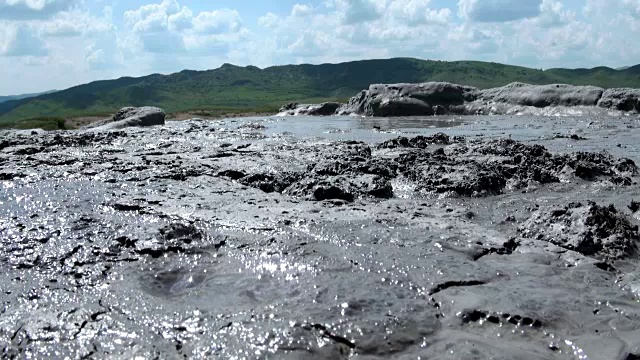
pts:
[247, 89]
[23, 96]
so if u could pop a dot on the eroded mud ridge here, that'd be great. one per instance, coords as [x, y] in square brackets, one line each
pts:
[439, 98]
[210, 239]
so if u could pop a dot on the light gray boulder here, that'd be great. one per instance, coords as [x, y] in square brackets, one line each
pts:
[621, 99]
[441, 98]
[324, 109]
[429, 98]
[134, 117]
[542, 95]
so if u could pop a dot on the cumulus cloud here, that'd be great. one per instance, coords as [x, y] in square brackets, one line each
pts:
[270, 20]
[76, 23]
[417, 12]
[33, 9]
[166, 35]
[357, 11]
[633, 6]
[310, 43]
[217, 22]
[553, 14]
[301, 10]
[498, 10]
[347, 29]
[181, 20]
[23, 41]
[168, 27]
[97, 59]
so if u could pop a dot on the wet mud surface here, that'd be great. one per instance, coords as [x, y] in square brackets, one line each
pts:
[314, 238]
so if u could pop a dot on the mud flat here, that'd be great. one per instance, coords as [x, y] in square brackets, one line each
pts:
[323, 238]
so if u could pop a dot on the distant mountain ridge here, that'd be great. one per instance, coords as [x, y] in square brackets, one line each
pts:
[24, 96]
[245, 89]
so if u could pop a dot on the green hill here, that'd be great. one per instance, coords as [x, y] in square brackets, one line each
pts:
[245, 89]
[23, 96]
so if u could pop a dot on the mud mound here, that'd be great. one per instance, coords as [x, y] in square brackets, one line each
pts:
[592, 230]
[178, 237]
[342, 188]
[436, 164]
[439, 98]
[481, 168]
[419, 142]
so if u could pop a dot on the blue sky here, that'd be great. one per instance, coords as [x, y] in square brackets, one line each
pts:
[55, 44]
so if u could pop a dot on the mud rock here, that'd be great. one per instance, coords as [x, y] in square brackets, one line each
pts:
[134, 117]
[621, 99]
[270, 182]
[128, 243]
[419, 142]
[341, 188]
[324, 109]
[409, 99]
[543, 95]
[438, 98]
[592, 230]
[481, 168]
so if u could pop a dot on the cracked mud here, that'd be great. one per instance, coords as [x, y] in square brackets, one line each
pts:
[306, 238]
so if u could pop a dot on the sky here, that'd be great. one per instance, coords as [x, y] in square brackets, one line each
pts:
[55, 44]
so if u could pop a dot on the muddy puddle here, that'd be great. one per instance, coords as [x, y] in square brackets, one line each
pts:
[502, 237]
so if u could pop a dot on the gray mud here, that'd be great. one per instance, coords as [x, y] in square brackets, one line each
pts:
[442, 98]
[323, 238]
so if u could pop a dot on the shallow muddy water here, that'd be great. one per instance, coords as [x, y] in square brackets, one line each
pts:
[324, 237]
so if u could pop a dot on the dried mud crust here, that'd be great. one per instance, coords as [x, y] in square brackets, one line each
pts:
[199, 241]
[350, 170]
[592, 230]
[437, 164]
[481, 167]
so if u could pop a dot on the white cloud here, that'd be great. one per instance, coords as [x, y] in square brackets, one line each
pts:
[168, 27]
[358, 11]
[473, 42]
[75, 23]
[347, 29]
[633, 6]
[181, 20]
[553, 14]
[151, 17]
[417, 12]
[310, 43]
[76, 41]
[301, 10]
[96, 58]
[498, 10]
[270, 20]
[22, 41]
[33, 9]
[217, 22]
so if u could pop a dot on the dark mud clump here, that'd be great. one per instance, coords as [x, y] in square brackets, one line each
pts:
[436, 164]
[592, 230]
[178, 237]
[342, 188]
[481, 168]
[346, 171]
[185, 241]
[420, 142]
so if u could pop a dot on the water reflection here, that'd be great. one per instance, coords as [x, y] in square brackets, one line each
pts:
[431, 122]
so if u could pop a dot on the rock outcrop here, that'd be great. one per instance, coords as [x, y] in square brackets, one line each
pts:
[542, 95]
[324, 109]
[410, 99]
[441, 98]
[621, 99]
[592, 230]
[133, 117]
